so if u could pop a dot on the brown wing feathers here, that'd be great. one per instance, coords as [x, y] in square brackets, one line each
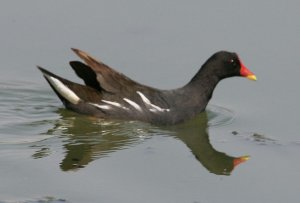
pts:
[98, 75]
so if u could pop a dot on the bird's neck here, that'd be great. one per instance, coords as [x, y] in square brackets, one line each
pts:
[200, 89]
[203, 83]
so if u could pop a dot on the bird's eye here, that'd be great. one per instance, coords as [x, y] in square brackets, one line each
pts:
[233, 62]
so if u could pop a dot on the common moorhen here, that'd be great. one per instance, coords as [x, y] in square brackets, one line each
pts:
[111, 95]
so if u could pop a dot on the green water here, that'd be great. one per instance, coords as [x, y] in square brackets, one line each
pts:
[49, 154]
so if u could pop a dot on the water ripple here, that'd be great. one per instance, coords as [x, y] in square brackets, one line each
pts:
[28, 110]
[219, 116]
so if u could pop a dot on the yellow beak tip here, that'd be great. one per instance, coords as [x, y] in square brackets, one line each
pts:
[251, 77]
[246, 158]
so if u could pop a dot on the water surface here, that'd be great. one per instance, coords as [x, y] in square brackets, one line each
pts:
[49, 154]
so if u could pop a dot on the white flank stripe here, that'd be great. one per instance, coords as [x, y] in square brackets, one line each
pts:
[101, 106]
[63, 90]
[132, 103]
[114, 104]
[153, 108]
[144, 98]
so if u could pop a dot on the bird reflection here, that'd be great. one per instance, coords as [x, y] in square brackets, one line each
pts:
[87, 139]
[194, 134]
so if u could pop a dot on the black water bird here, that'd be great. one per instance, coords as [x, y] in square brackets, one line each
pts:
[111, 95]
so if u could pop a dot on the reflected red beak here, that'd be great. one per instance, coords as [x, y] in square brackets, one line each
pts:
[245, 72]
[240, 160]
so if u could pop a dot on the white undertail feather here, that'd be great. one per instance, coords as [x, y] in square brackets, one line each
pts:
[132, 103]
[63, 90]
[153, 108]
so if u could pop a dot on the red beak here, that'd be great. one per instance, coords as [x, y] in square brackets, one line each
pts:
[245, 72]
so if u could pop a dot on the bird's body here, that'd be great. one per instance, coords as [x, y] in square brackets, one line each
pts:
[111, 95]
